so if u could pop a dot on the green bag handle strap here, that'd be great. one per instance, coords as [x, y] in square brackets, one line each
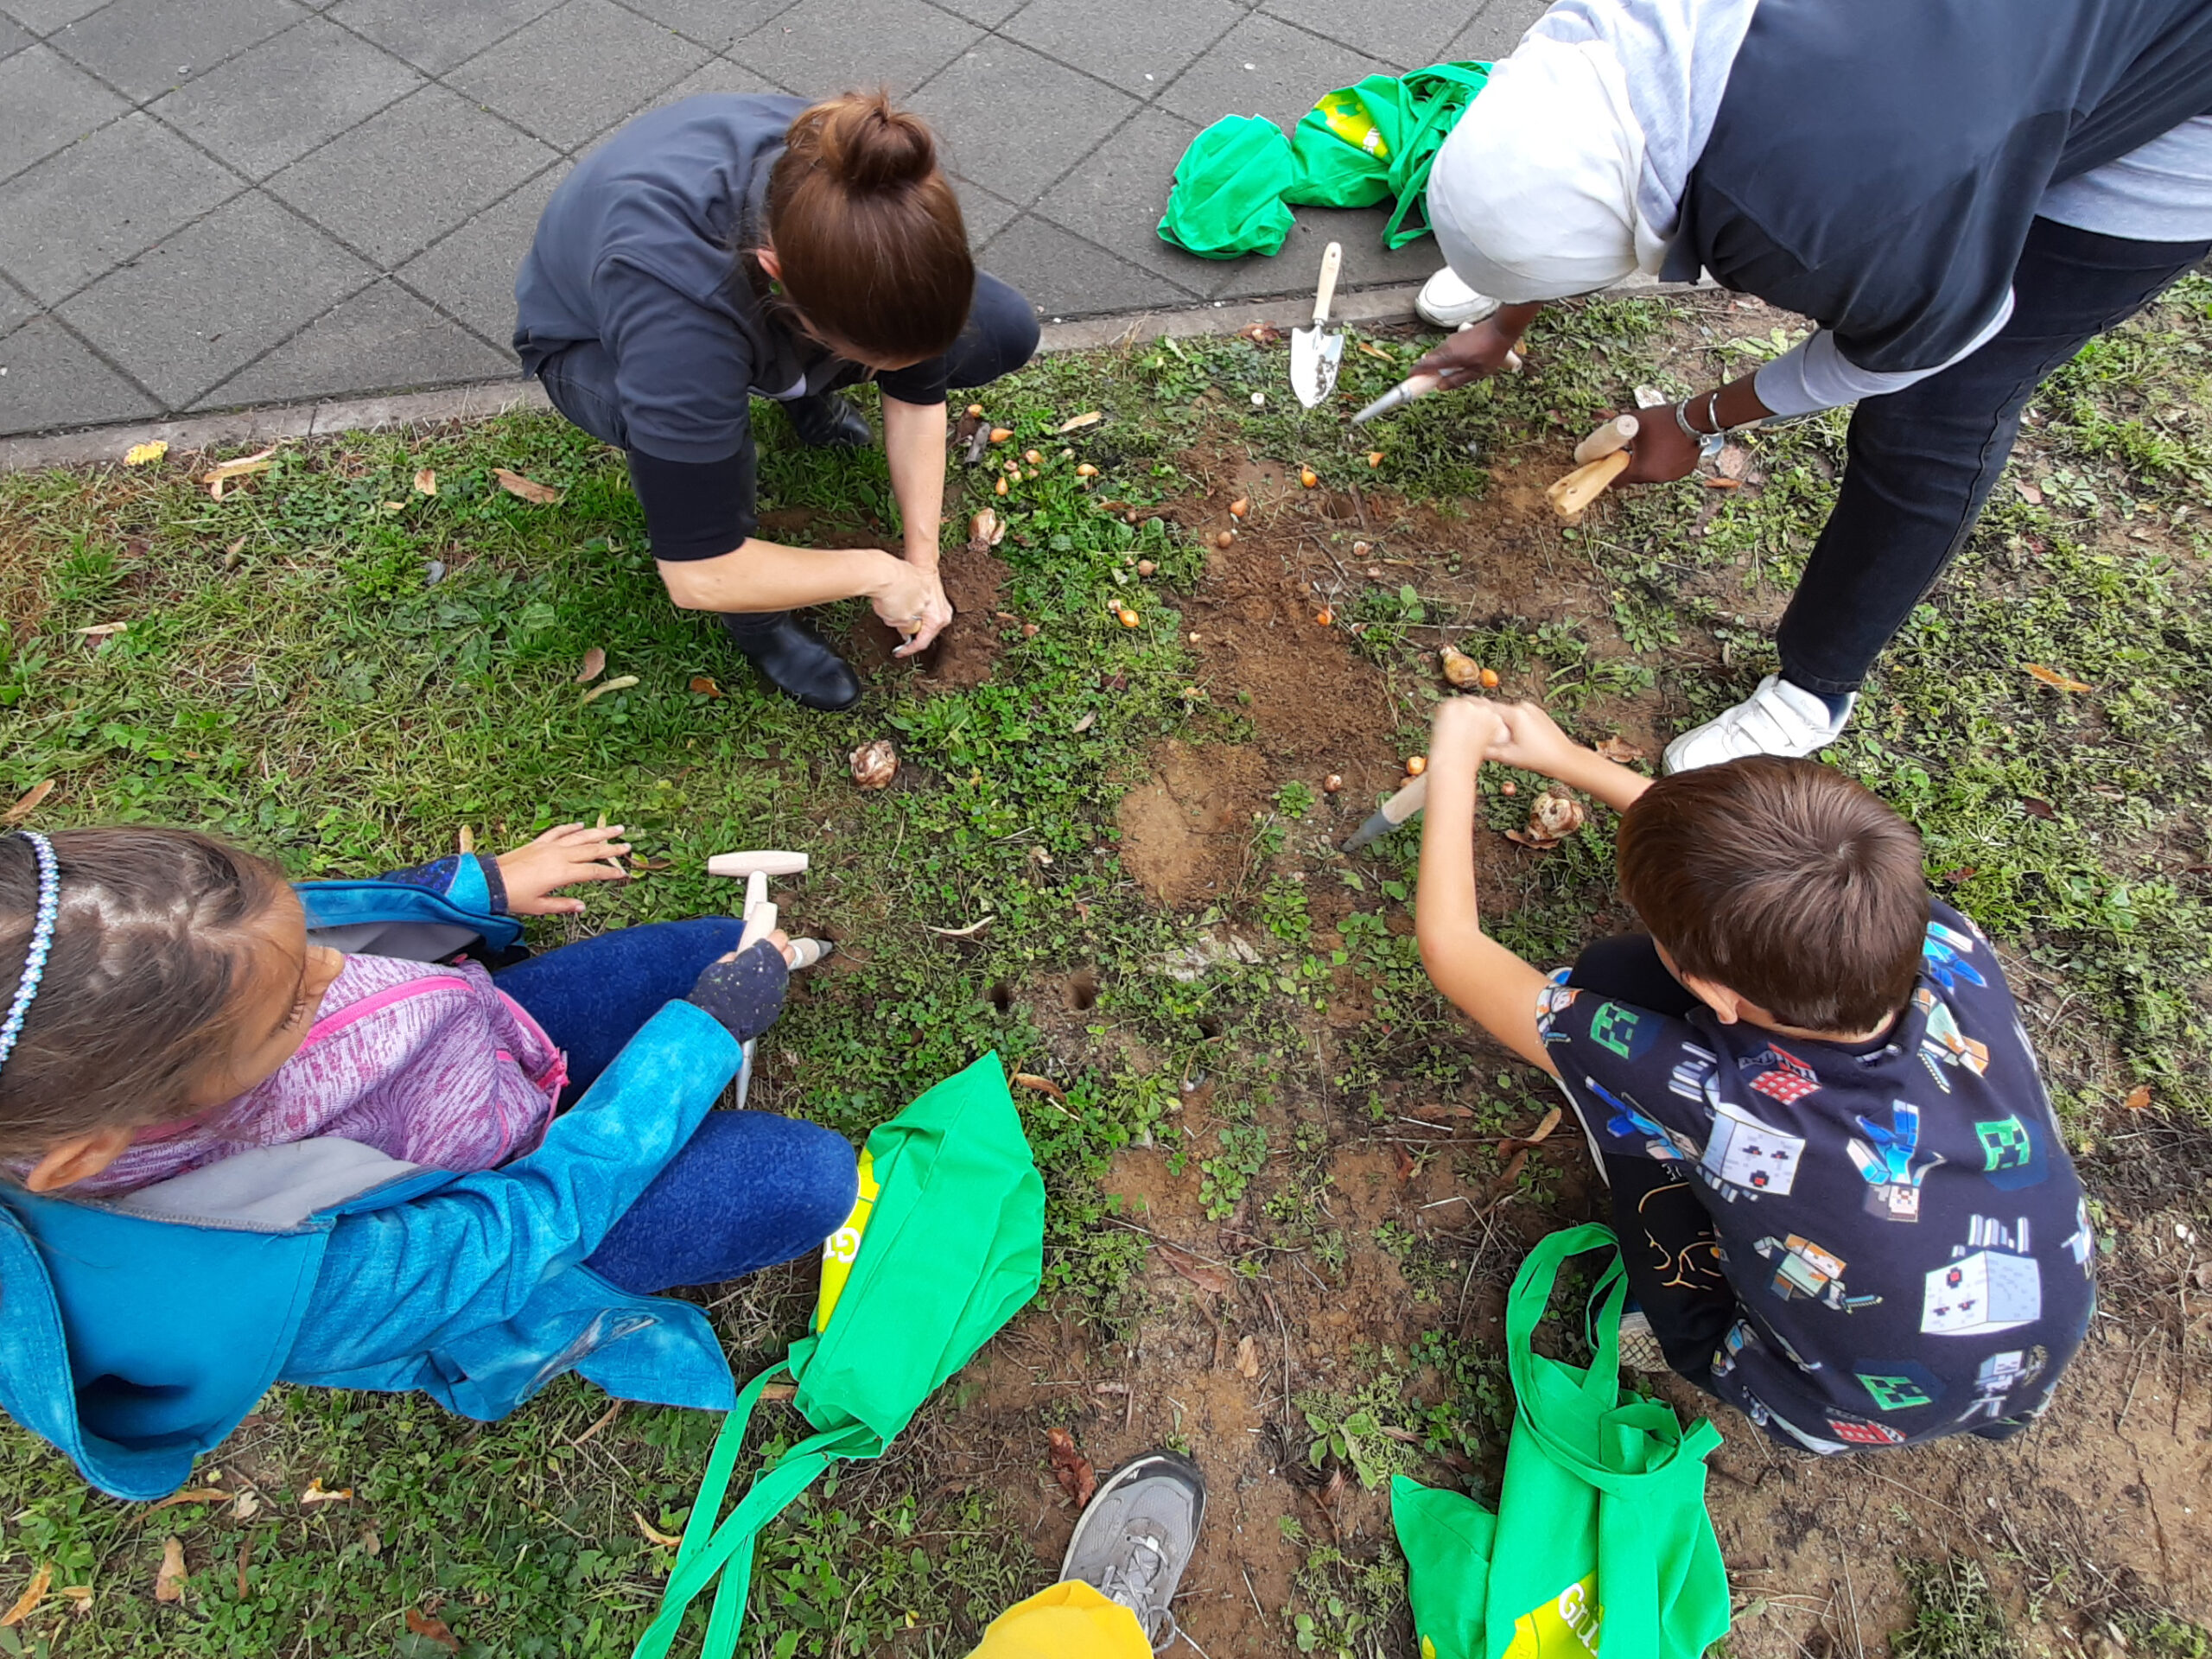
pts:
[1417, 152]
[1531, 1295]
[708, 1551]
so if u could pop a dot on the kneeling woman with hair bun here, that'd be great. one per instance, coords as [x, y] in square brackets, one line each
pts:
[729, 247]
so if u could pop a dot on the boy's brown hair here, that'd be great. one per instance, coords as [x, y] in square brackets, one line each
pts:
[1795, 887]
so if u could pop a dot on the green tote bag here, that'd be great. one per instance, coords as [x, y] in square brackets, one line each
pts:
[1601, 1547]
[1375, 141]
[946, 1245]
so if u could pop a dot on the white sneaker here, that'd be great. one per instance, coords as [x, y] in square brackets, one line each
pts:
[1778, 718]
[1450, 303]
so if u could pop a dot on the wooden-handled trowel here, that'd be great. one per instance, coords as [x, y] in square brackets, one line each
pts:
[1313, 355]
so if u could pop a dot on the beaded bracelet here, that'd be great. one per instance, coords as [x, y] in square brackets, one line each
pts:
[49, 907]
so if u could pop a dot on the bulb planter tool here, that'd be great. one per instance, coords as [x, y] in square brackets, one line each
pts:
[1406, 804]
[1314, 356]
[760, 918]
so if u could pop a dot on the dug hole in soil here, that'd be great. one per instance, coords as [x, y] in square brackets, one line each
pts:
[2106, 1497]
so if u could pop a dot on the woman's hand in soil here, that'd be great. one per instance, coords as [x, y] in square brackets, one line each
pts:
[565, 854]
[1531, 740]
[912, 599]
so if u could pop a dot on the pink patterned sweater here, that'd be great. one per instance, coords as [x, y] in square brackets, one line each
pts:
[426, 1062]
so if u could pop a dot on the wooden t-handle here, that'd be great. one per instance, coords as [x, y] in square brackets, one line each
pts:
[1585, 484]
[1616, 434]
[1333, 259]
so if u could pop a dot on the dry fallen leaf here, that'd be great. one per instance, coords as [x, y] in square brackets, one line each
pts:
[528, 489]
[372, 1543]
[2038, 808]
[1042, 1085]
[1076, 423]
[34, 1593]
[2051, 678]
[2027, 491]
[433, 1629]
[1076, 1478]
[704, 685]
[1247, 1357]
[189, 1494]
[464, 840]
[654, 1534]
[2138, 1098]
[218, 478]
[1375, 352]
[26, 803]
[102, 630]
[426, 482]
[169, 1582]
[1617, 752]
[245, 1506]
[79, 1596]
[594, 664]
[315, 1494]
[144, 454]
[1205, 1275]
[620, 682]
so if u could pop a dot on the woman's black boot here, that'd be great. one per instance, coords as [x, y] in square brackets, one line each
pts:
[793, 657]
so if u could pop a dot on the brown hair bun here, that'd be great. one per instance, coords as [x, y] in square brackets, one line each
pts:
[867, 145]
[868, 231]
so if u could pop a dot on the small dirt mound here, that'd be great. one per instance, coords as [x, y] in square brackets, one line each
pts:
[1185, 833]
[968, 649]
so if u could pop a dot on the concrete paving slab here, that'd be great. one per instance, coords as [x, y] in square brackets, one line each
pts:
[46, 103]
[48, 379]
[44, 16]
[437, 39]
[1013, 121]
[1147, 44]
[1066, 276]
[412, 143]
[1405, 33]
[577, 71]
[819, 46]
[1263, 67]
[1115, 198]
[103, 201]
[17, 308]
[471, 274]
[411, 174]
[381, 339]
[144, 48]
[194, 310]
[274, 102]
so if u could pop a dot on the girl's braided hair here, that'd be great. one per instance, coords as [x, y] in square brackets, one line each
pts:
[156, 935]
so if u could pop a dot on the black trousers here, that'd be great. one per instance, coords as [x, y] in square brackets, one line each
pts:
[1922, 461]
[1667, 1239]
[1001, 336]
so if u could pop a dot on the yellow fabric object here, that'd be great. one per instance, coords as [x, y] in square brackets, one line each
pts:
[1069, 1621]
[842, 1247]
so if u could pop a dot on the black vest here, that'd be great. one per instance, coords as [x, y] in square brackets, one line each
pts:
[1875, 164]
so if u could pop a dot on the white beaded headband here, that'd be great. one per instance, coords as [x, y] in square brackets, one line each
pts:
[49, 906]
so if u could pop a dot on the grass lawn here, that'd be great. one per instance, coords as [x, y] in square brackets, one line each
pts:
[348, 671]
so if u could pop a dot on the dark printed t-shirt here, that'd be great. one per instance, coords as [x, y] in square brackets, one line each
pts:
[1898, 1219]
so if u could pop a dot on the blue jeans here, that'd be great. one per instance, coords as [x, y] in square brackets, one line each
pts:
[749, 1189]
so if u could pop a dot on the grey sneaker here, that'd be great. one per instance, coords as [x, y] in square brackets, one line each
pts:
[1640, 1349]
[1136, 1535]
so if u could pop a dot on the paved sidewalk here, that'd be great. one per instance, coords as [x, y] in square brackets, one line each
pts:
[206, 204]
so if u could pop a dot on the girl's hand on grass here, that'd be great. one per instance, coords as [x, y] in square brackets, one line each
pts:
[565, 854]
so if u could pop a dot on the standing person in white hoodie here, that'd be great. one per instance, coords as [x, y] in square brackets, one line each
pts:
[1959, 193]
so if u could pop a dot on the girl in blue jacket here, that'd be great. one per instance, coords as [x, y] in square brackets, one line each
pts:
[261, 1132]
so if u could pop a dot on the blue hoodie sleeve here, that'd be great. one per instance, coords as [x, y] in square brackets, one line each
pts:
[398, 1282]
[469, 881]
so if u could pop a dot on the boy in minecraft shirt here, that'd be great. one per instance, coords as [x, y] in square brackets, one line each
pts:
[1842, 1197]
